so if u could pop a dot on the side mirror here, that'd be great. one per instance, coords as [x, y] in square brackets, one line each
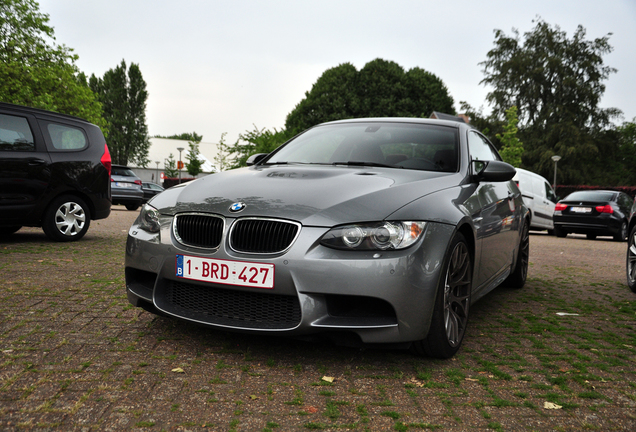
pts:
[255, 158]
[493, 171]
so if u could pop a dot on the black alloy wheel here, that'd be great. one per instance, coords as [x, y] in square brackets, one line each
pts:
[631, 260]
[517, 278]
[452, 304]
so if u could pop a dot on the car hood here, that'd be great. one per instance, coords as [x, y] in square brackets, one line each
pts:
[318, 195]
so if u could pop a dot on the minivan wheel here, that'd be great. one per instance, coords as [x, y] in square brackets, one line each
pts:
[450, 315]
[66, 219]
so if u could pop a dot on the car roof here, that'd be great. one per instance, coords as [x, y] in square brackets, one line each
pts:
[38, 111]
[419, 120]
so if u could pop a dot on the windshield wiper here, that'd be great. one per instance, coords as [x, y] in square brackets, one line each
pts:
[372, 164]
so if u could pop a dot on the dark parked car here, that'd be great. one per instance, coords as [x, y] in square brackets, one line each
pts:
[54, 172]
[367, 230]
[631, 250]
[595, 213]
[150, 189]
[126, 187]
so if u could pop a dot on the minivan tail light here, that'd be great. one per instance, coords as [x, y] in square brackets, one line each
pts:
[605, 209]
[560, 207]
[106, 160]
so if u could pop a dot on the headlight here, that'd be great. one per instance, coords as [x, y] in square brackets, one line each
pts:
[374, 236]
[149, 219]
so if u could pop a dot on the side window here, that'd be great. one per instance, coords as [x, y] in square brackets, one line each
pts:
[480, 149]
[15, 134]
[549, 193]
[65, 137]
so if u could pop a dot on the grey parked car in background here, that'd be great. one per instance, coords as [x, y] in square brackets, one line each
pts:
[125, 187]
[374, 231]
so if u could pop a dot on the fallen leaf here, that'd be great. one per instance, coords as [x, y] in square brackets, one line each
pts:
[471, 379]
[178, 370]
[328, 379]
[311, 410]
[550, 405]
[253, 397]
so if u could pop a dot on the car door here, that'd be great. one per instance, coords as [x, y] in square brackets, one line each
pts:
[495, 221]
[24, 168]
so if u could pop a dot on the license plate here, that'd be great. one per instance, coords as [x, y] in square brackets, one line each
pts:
[123, 184]
[241, 273]
[581, 209]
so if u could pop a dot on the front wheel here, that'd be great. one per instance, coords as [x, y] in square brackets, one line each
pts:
[631, 260]
[452, 303]
[66, 219]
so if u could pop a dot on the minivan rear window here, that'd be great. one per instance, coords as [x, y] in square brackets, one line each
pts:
[15, 134]
[65, 137]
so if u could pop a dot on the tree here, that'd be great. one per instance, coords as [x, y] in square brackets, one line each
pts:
[512, 148]
[222, 157]
[37, 72]
[194, 165]
[255, 141]
[380, 89]
[556, 83]
[186, 136]
[123, 95]
[170, 167]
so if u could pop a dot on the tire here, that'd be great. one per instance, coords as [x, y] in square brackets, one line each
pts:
[132, 207]
[631, 260]
[66, 219]
[559, 232]
[591, 236]
[621, 235]
[517, 278]
[7, 231]
[452, 303]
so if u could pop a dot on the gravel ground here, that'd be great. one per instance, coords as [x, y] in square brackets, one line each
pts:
[558, 354]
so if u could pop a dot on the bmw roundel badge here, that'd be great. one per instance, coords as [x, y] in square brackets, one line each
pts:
[237, 207]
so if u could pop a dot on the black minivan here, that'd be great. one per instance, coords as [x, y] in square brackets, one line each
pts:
[54, 172]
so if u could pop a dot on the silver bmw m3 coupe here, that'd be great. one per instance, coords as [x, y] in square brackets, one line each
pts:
[369, 231]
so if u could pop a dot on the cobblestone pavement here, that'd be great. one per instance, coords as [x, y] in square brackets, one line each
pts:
[559, 354]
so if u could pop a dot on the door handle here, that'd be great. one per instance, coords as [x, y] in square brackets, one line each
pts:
[36, 161]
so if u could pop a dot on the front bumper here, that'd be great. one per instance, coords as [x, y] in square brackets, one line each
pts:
[382, 297]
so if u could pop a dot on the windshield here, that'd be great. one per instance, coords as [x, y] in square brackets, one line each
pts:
[394, 145]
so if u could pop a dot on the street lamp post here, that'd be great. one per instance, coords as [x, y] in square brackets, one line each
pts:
[157, 176]
[180, 150]
[555, 158]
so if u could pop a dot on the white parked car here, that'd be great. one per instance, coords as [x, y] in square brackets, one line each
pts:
[539, 197]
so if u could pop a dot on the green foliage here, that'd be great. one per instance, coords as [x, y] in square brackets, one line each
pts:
[186, 136]
[170, 167]
[380, 89]
[222, 158]
[255, 141]
[512, 148]
[123, 95]
[194, 164]
[556, 83]
[35, 71]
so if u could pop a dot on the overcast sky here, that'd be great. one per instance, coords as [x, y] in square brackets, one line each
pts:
[224, 66]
